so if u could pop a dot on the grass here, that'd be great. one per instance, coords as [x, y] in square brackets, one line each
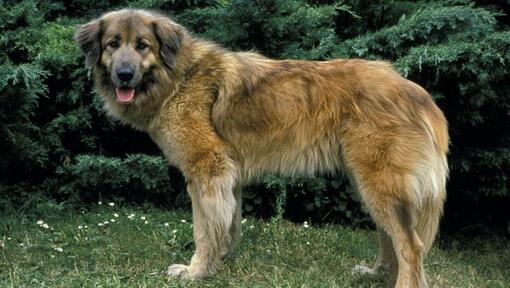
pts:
[71, 249]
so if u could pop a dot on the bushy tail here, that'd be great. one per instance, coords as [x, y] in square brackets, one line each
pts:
[428, 222]
[433, 179]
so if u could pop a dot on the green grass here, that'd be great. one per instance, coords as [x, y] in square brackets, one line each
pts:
[133, 253]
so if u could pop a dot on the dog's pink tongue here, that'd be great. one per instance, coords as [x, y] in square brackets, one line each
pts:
[125, 95]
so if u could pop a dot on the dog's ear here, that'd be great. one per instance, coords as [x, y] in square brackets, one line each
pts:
[88, 36]
[170, 36]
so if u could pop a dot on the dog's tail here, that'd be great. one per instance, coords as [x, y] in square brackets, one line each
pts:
[430, 180]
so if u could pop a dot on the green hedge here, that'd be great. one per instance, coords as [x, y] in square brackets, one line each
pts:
[58, 143]
[133, 177]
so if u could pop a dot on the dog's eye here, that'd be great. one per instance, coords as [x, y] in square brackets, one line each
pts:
[141, 46]
[113, 44]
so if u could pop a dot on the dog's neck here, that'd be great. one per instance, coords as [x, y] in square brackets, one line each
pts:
[189, 62]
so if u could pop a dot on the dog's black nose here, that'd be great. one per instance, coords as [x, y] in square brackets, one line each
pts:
[125, 73]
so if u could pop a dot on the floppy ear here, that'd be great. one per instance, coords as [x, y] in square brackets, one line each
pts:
[170, 36]
[88, 36]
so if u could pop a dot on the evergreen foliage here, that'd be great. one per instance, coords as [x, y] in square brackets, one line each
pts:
[136, 176]
[57, 142]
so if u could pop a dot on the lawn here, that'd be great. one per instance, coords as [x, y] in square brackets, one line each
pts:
[112, 246]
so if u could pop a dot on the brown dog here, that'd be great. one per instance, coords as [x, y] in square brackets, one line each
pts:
[224, 118]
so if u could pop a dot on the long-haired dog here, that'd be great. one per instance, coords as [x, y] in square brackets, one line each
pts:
[226, 117]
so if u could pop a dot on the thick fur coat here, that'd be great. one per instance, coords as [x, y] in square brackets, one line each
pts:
[224, 118]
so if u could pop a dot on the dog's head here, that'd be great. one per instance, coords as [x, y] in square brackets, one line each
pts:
[129, 48]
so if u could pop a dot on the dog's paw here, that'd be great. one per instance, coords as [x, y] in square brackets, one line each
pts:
[178, 271]
[184, 272]
[379, 270]
[362, 269]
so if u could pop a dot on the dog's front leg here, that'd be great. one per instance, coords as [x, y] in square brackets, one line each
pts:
[211, 181]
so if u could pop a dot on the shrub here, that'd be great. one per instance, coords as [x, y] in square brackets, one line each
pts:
[136, 177]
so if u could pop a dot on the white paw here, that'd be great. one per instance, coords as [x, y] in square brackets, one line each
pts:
[362, 269]
[178, 270]
[378, 270]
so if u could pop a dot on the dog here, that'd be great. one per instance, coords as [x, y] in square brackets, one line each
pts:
[225, 118]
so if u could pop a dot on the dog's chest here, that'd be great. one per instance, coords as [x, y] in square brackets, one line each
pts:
[166, 142]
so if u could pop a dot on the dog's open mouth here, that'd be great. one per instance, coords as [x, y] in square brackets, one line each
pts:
[125, 95]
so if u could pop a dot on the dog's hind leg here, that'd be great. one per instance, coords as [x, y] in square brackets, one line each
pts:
[386, 262]
[384, 193]
[385, 182]
[395, 216]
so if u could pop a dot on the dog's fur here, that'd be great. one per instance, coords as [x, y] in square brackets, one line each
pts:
[225, 117]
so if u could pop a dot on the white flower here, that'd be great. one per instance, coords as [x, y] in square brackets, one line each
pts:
[130, 216]
[40, 222]
[305, 224]
[100, 224]
[85, 226]
[106, 222]
[100, 203]
[268, 251]
[244, 221]
[58, 249]
[251, 227]
[166, 224]
[112, 220]
[80, 227]
[307, 243]
[9, 238]
[183, 221]
[111, 204]
[145, 222]
[174, 231]
[45, 226]
[115, 215]
[21, 244]
[142, 217]
[52, 256]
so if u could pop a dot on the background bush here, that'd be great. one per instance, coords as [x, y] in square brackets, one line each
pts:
[57, 144]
